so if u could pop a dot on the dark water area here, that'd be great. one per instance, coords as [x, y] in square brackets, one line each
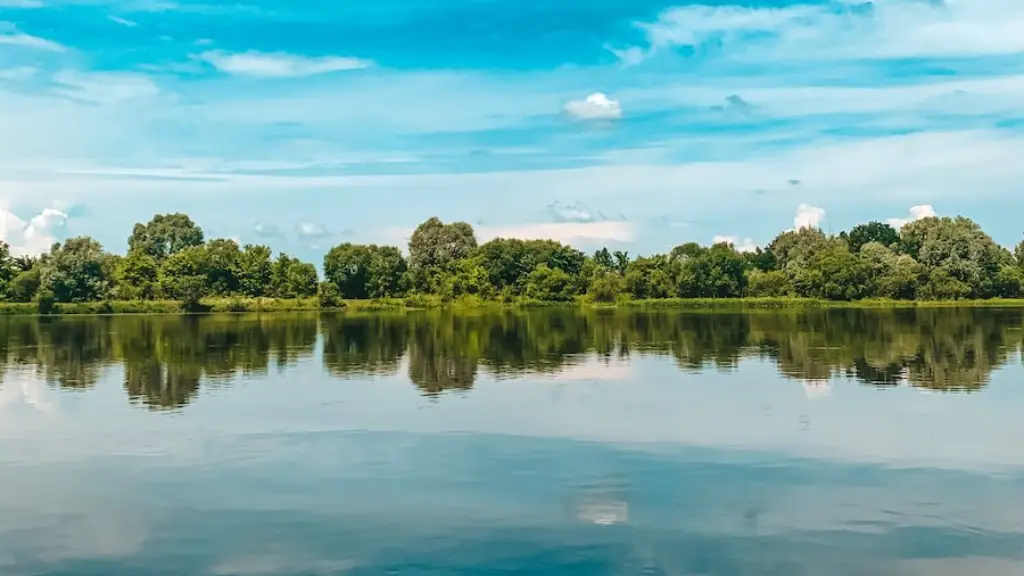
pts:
[562, 442]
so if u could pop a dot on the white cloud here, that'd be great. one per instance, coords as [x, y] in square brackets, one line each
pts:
[597, 106]
[916, 213]
[265, 230]
[34, 237]
[311, 230]
[628, 56]
[279, 64]
[25, 387]
[123, 21]
[883, 28]
[18, 74]
[564, 232]
[105, 87]
[744, 245]
[11, 37]
[808, 216]
[574, 212]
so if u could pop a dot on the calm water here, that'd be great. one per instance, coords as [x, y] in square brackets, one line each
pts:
[550, 442]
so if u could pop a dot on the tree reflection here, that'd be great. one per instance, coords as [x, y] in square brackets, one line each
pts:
[165, 361]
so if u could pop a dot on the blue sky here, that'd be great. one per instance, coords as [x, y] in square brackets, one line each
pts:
[639, 124]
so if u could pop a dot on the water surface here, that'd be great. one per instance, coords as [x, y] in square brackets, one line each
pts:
[560, 442]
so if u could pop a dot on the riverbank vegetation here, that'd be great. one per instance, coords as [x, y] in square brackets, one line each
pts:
[170, 267]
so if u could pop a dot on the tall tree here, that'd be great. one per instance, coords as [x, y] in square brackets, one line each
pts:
[365, 271]
[435, 247]
[76, 271]
[879, 232]
[165, 235]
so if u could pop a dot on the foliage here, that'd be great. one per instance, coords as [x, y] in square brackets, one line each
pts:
[876, 232]
[329, 296]
[435, 247]
[929, 259]
[24, 286]
[165, 235]
[606, 287]
[292, 278]
[550, 285]
[365, 271]
[75, 271]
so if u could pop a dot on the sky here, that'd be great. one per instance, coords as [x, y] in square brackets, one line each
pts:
[638, 125]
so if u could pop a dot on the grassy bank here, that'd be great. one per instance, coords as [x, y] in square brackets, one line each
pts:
[230, 305]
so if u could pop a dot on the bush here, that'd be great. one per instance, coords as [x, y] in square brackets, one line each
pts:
[606, 287]
[46, 301]
[329, 296]
[24, 286]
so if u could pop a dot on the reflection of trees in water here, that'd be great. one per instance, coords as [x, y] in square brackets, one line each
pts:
[365, 344]
[166, 360]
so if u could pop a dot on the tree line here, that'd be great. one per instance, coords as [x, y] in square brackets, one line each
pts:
[169, 258]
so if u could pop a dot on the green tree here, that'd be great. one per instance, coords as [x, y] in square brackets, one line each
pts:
[550, 284]
[605, 287]
[292, 278]
[464, 279]
[136, 277]
[184, 275]
[75, 271]
[365, 271]
[797, 248]
[255, 271]
[24, 286]
[9, 267]
[509, 261]
[165, 235]
[832, 274]
[434, 247]
[386, 270]
[223, 258]
[717, 272]
[879, 232]
[770, 284]
[890, 275]
[961, 249]
[603, 258]
[652, 277]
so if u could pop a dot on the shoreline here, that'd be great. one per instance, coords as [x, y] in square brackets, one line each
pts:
[269, 305]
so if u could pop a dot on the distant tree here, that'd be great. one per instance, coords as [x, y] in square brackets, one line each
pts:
[184, 275]
[8, 267]
[75, 271]
[716, 272]
[762, 259]
[652, 277]
[550, 284]
[605, 287]
[435, 245]
[255, 271]
[621, 261]
[879, 232]
[136, 276]
[961, 249]
[24, 286]
[292, 278]
[165, 235]
[603, 258]
[365, 271]
[770, 284]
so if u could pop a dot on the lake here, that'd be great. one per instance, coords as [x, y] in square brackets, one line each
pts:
[561, 442]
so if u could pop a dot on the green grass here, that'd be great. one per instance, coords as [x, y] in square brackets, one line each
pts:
[421, 302]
